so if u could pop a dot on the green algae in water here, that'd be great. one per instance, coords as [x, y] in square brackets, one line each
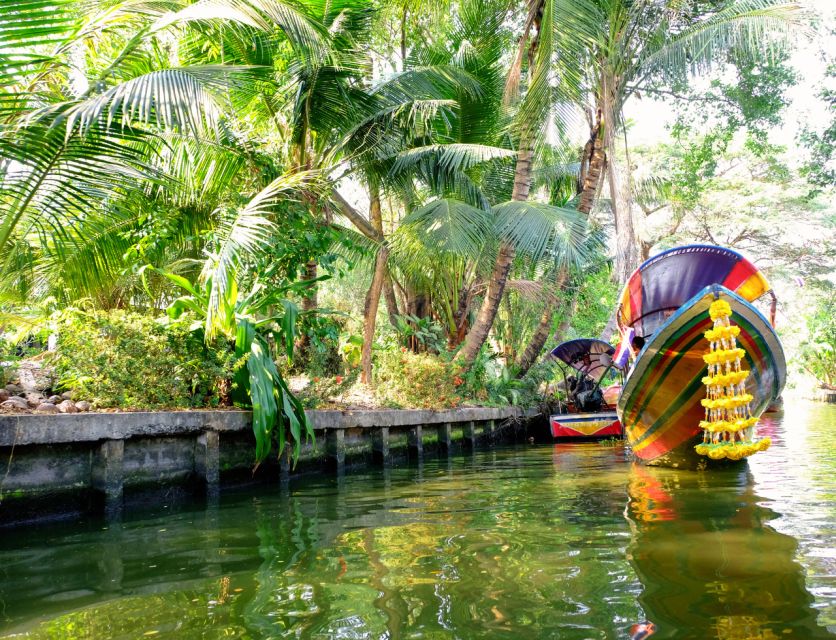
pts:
[564, 541]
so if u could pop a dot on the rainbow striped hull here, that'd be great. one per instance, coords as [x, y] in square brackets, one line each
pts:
[585, 425]
[660, 403]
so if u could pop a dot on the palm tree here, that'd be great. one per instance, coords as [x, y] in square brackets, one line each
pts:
[541, 45]
[98, 127]
[628, 45]
[77, 159]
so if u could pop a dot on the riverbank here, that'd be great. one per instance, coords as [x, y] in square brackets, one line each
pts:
[62, 465]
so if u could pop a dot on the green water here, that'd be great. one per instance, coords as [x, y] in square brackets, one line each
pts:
[566, 541]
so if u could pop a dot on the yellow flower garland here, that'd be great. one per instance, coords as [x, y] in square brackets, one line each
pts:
[728, 427]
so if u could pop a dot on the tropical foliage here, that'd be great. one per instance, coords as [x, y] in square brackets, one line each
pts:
[265, 172]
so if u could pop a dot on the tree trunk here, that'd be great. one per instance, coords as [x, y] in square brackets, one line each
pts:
[627, 245]
[309, 303]
[592, 165]
[403, 37]
[593, 161]
[541, 333]
[373, 295]
[563, 328]
[502, 267]
[370, 231]
[370, 313]
[391, 300]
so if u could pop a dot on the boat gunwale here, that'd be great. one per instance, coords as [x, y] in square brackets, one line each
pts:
[636, 374]
[717, 289]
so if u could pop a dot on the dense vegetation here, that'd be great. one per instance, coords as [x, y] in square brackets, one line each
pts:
[206, 200]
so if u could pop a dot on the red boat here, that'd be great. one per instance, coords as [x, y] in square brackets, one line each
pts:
[604, 424]
[587, 414]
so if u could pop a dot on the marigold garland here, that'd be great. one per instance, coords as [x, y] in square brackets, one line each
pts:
[728, 428]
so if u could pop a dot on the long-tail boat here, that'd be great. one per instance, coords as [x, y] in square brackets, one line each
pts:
[587, 413]
[709, 362]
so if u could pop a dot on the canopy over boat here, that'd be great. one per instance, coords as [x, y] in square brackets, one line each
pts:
[665, 282]
[585, 355]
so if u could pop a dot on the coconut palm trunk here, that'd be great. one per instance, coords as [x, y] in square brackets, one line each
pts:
[593, 162]
[627, 244]
[376, 288]
[541, 332]
[391, 300]
[502, 266]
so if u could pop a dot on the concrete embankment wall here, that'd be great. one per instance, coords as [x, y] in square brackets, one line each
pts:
[93, 462]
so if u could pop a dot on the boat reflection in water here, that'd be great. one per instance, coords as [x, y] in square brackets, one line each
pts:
[709, 564]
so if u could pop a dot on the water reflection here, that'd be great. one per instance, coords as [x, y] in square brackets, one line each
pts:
[710, 565]
[569, 542]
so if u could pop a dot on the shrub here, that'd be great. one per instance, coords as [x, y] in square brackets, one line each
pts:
[323, 357]
[129, 360]
[415, 380]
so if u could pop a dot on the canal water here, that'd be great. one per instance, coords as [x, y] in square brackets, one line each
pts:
[543, 541]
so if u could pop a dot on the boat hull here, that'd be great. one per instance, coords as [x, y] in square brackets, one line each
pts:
[604, 424]
[660, 403]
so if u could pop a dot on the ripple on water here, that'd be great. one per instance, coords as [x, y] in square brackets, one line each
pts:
[564, 541]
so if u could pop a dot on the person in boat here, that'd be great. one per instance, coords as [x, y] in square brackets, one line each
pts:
[637, 344]
[585, 393]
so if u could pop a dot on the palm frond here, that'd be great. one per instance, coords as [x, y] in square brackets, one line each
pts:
[451, 226]
[451, 157]
[173, 99]
[30, 30]
[55, 180]
[245, 231]
[753, 26]
[542, 231]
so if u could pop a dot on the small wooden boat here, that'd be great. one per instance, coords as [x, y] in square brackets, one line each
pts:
[676, 410]
[603, 424]
[587, 413]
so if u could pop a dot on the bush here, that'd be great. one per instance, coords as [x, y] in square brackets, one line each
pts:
[129, 360]
[415, 380]
[323, 357]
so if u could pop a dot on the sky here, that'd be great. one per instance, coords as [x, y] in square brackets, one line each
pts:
[651, 118]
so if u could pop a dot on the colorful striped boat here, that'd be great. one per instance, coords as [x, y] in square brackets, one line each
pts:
[603, 424]
[666, 302]
[592, 359]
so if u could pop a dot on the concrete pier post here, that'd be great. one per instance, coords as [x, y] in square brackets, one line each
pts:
[107, 474]
[207, 457]
[491, 431]
[335, 449]
[470, 435]
[445, 438]
[380, 446]
[416, 440]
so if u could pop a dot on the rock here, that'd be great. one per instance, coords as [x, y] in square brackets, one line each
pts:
[15, 402]
[4, 395]
[83, 405]
[46, 407]
[34, 399]
[13, 389]
[67, 395]
[34, 376]
[68, 406]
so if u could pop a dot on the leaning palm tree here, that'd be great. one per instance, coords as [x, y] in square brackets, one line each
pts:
[625, 46]
[550, 76]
